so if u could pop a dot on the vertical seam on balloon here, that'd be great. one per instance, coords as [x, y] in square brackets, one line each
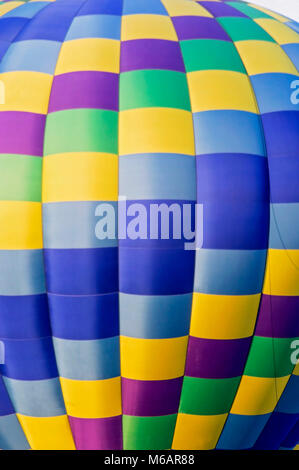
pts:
[278, 230]
[267, 257]
[195, 252]
[46, 116]
[286, 251]
[1, 376]
[281, 239]
[118, 272]
[10, 44]
[273, 210]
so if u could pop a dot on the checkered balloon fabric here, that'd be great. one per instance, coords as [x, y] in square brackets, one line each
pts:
[136, 343]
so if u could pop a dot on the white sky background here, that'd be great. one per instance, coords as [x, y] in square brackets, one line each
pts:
[289, 8]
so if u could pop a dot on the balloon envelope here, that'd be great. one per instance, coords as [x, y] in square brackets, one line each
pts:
[115, 113]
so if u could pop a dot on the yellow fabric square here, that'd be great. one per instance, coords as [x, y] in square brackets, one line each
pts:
[220, 89]
[96, 54]
[50, 433]
[153, 359]
[147, 27]
[282, 273]
[223, 316]
[194, 432]
[26, 91]
[264, 57]
[6, 7]
[92, 398]
[257, 395]
[185, 8]
[279, 31]
[80, 177]
[156, 130]
[21, 225]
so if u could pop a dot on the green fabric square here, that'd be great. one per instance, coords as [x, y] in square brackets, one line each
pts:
[148, 433]
[248, 10]
[81, 130]
[154, 88]
[211, 54]
[244, 29]
[208, 396]
[20, 178]
[269, 357]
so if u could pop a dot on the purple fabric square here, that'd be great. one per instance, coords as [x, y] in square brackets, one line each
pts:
[216, 359]
[151, 54]
[22, 133]
[221, 9]
[151, 397]
[73, 90]
[278, 317]
[97, 433]
[196, 27]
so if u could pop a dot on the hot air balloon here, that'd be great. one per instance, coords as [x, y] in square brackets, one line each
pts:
[134, 342]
